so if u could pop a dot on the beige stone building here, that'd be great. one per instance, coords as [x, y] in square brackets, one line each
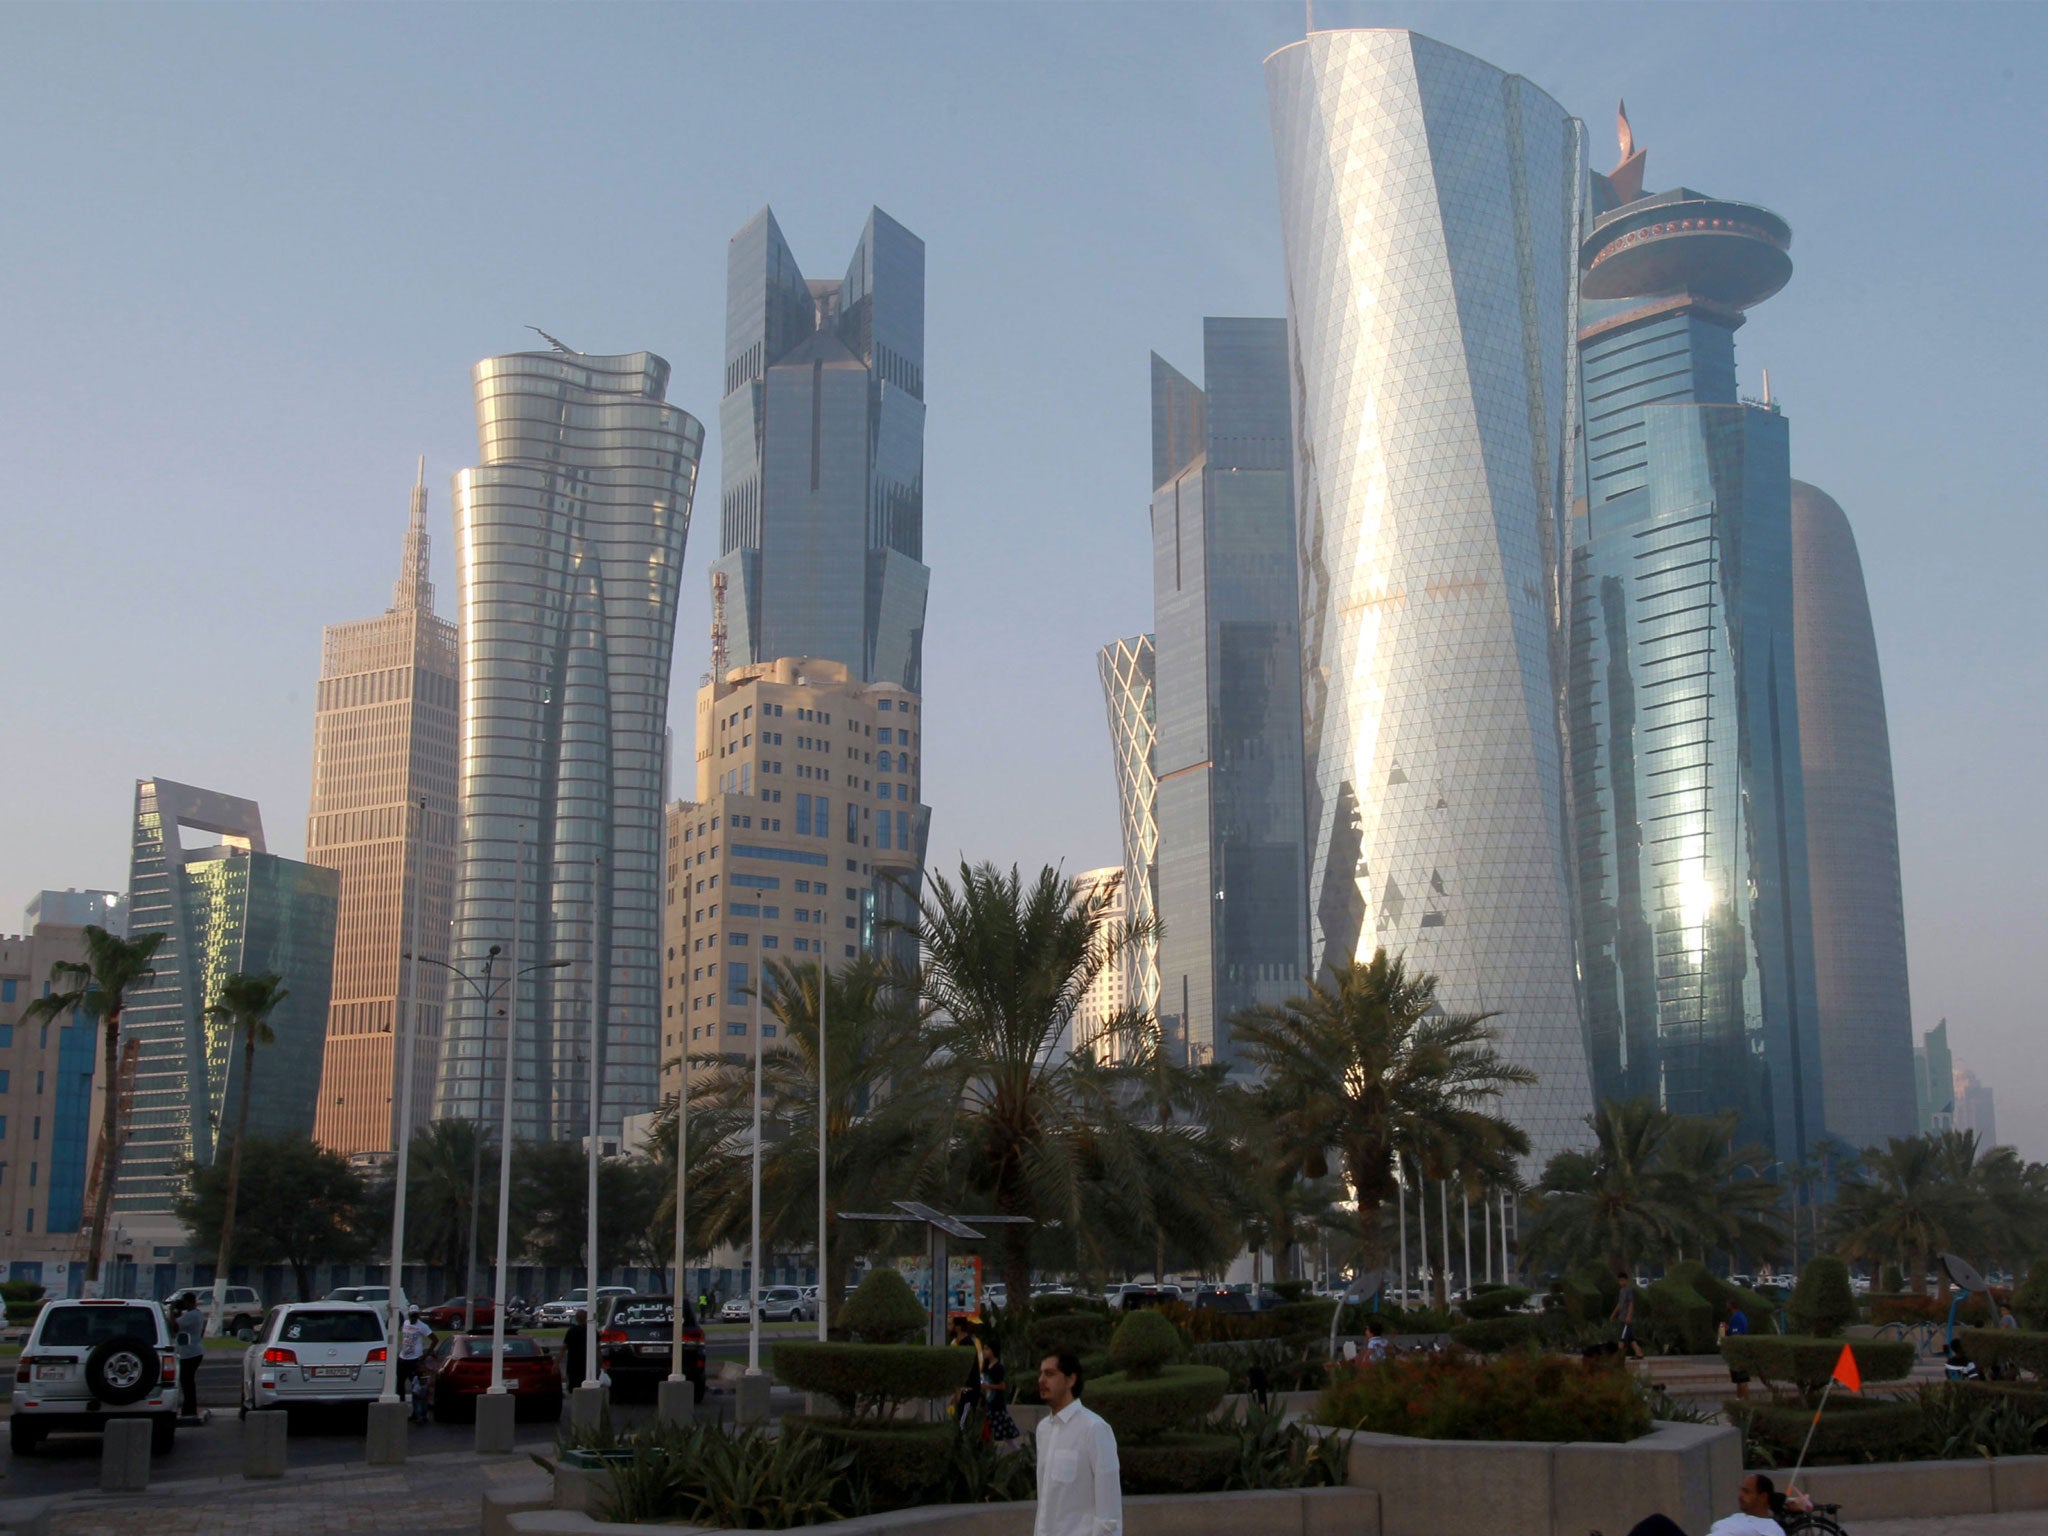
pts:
[1112, 990]
[384, 741]
[49, 1117]
[804, 840]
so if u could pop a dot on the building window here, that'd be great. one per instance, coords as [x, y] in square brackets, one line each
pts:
[803, 815]
[7, 989]
[769, 941]
[767, 1031]
[883, 821]
[6, 1036]
[736, 981]
[772, 914]
[741, 938]
[852, 822]
[734, 1029]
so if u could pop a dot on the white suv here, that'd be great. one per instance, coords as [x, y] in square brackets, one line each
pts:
[89, 1361]
[316, 1352]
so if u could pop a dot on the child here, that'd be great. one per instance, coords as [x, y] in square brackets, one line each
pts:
[417, 1389]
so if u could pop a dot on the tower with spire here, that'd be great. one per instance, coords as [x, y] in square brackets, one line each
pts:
[383, 815]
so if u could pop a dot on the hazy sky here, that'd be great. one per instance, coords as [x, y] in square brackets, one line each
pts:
[250, 254]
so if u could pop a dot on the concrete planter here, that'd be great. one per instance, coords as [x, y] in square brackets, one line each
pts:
[1912, 1490]
[1514, 1488]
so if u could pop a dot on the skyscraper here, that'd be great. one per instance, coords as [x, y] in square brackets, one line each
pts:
[223, 905]
[1696, 939]
[821, 434]
[1430, 207]
[1126, 668]
[1852, 835]
[1227, 635]
[1934, 1081]
[569, 554]
[1109, 994]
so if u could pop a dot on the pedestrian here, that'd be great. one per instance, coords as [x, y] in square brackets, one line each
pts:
[1080, 1490]
[1625, 1314]
[2005, 1317]
[415, 1338]
[1735, 1325]
[967, 1396]
[575, 1352]
[1377, 1349]
[997, 1427]
[189, 1325]
[420, 1393]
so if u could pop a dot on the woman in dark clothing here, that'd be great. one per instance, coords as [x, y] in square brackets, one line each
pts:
[575, 1353]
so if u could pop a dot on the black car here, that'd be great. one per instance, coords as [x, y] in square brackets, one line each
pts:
[1222, 1299]
[637, 1345]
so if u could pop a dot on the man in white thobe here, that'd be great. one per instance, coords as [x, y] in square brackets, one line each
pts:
[1080, 1488]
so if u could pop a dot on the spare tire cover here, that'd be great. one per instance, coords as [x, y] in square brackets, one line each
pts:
[122, 1370]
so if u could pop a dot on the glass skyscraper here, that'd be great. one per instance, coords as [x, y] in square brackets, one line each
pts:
[1852, 835]
[1126, 668]
[569, 551]
[1431, 207]
[223, 905]
[1697, 947]
[1227, 636]
[821, 439]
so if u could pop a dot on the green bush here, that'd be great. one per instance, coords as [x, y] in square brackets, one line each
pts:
[1144, 1344]
[1587, 1295]
[1675, 1319]
[900, 1459]
[1808, 1363]
[1493, 1301]
[1297, 1318]
[1491, 1335]
[1186, 1461]
[1291, 1365]
[869, 1380]
[2020, 1347]
[24, 1300]
[703, 1475]
[1140, 1408]
[1852, 1430]
[1517, 1396]
[1891, 1279]
[1085, 1333]
[1718, 1292]
[1290, 1290]
[1823, 1304]
[883, 1310]
[2030, 1301]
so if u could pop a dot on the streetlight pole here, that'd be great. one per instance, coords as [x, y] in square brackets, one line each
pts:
[680, 1301]
[592, 1367]
[476, 1157]
[824, 1125]
[404, 1091]
[754, 1241]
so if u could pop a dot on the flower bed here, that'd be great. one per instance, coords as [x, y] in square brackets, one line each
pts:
[1517, 1396]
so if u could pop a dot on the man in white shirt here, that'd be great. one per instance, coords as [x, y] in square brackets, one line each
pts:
[413, 1341]
[1080, 1488]
[1752, 1518]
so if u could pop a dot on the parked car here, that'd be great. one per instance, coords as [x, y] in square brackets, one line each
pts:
[86, 1362]
[995, 1297]
[637, 1345]
[459, 1372]
[378, 1296]
[318, 1352]
[1126, 1298]
[779, 1304]
[562, 1312]
[241, 1306]
[457, 1312]
[1223, 1299]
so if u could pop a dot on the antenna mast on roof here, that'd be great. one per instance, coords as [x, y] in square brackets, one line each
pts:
[718, 653]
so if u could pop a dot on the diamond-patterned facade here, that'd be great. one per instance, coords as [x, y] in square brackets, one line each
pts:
[1127, 690]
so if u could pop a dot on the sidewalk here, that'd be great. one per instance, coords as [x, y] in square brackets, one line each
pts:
[433, 1495]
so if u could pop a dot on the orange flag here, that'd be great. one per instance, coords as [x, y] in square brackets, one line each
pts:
[1846, 1372]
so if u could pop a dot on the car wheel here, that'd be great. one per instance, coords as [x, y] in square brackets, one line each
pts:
[163, 1434]
[23, 1436]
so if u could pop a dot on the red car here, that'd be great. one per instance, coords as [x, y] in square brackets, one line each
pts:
[459, 1372]
[453, 1313]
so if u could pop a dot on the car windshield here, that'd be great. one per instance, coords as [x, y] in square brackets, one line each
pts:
[332, 1328]
[76, 1327]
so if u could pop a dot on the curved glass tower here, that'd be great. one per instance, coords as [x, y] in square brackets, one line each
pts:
[1126, 667]
[1852, 834]
[1430, 206]
[569, 549]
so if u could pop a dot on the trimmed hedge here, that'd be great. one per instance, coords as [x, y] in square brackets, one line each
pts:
[1493, 1301]
[869, 1380]
[1987, 1347]
[1290, 1365]
[1523, 1396]
[1852, 1429]
[1676, 1319]
[2030, 1301]
[1718, 1292]
[1180, 1462]
[1823, 1303]
[1085, 1333]
[1492, 1335]
[1144, 1344]
[1808, 1363]
[882, 1310]
[1141, 1409]
[900, 1458]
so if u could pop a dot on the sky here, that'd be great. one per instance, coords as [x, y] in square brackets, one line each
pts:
[251, 253]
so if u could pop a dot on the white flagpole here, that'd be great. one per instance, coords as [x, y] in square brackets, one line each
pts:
[402, 1086]
[824, 1122]
[592, 1366]
[754, 1247]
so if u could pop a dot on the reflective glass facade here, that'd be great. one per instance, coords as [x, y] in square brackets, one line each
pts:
[1852, 835]
[821, 434]
[1430, 206]
[223, 905]
[1126, 667]
[569, 553]
[1230, 885]
[1697, 948]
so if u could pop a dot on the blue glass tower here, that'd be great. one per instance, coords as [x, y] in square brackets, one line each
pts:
[1695, 931]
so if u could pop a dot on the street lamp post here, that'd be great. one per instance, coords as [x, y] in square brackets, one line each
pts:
[592, 1366]
[754, 1240]
[824, 1124]
[403, 1088]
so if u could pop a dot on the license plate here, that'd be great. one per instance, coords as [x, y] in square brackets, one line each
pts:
[52, 1372]
[652, 1349]
[331, 1370]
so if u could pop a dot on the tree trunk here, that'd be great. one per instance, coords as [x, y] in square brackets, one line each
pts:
[1016, 1263]
[1159, 1255]
[1916, 1276]
[110, 1147]
[227, 1219]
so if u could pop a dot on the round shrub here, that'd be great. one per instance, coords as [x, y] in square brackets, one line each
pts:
[1181, 1462]
[1822, 1302]
[901, 1459]
[1493, 1301]
[1676, 1319]
[2030, 1301]
[883, 1310]
[1491, 1335]
[1851, 1430]
[1144, 1344]
[1085, 1333]
[1891, 1279]
[869, 1380]
[1138, 1409]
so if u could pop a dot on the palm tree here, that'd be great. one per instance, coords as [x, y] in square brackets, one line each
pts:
[449, 1159]
[97, 987]
[1372, 1068]
[1618, 1205]
[1189, 1183]
[1006, 967]
[1732, 1208]
[1901, 1207]
[245, 1006]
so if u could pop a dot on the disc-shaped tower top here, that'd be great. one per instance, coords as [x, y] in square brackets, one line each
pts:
[1682, 241]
